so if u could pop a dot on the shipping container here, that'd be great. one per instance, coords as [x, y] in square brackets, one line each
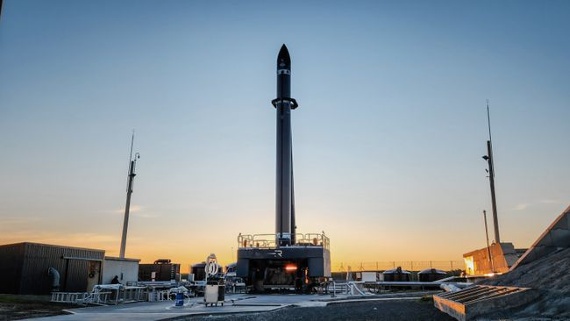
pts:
[159, 272]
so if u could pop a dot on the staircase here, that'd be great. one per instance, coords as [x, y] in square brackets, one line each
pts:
[476, 300]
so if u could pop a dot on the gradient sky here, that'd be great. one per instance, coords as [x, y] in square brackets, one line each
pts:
[387, 140]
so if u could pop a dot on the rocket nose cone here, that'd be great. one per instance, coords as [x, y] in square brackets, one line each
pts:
[283, 58]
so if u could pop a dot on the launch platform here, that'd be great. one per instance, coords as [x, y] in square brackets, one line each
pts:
[266, 266]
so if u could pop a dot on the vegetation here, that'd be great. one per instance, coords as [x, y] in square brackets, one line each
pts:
[17, 307]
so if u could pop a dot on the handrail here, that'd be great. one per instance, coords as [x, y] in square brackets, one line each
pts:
[268, 241]
[352, 287]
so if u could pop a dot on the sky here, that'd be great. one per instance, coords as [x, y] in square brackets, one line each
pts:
[387, 139]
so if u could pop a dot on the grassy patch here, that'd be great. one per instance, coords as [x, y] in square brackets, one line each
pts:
[16, 307]
[13, 298]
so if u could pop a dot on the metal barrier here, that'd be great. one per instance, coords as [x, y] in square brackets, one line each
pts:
[67, 297]
[81, 297]
[103, 294]
[95, 298]
[158, 295]
[352, 288]
[133, 293]
[355, 287]
[268, 241]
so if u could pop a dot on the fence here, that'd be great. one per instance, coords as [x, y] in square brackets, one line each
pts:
[405, 265]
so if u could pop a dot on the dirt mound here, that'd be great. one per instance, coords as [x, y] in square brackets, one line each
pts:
[550, 276]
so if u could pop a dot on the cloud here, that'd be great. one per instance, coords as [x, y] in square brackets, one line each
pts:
[88, 240]
[135, 210]
[19, 220]
[524, 206]
[16, 224]
[547, 201]
[145, 215]
[521, 207]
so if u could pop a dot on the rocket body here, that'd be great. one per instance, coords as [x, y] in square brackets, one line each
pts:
[284, 212]
[265, 266]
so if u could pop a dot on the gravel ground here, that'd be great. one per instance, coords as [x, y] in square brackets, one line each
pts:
[366, 311]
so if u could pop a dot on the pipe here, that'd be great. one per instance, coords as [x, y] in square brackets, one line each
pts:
[55, 278]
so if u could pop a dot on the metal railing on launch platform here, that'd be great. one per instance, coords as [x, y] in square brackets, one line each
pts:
[268, 241]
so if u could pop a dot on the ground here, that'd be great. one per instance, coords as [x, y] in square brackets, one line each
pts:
[401, 310]
[22, 307]
[17, 307]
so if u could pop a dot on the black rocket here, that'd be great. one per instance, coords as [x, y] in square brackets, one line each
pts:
[291, 260]
[284, 198]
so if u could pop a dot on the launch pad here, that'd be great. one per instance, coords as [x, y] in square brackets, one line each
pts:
[266, 266]
[286, 259]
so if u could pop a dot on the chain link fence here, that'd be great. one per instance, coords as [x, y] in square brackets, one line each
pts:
[451, 265]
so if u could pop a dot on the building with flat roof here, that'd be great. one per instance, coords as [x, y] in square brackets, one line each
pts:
[34, 268]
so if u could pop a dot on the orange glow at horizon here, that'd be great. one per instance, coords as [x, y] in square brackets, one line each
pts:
[149, 250]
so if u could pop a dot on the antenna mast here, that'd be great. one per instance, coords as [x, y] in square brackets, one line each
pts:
[489, 159]
[488, 120]
[130, 179]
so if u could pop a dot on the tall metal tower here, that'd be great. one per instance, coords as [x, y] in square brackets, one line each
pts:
[130, 179]
[489, 159]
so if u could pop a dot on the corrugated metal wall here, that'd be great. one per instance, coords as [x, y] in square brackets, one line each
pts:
[11, 262]
[75, 265]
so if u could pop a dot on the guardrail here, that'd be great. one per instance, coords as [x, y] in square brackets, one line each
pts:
[268, 241]
[351, 288]
[104, 294]
[81, 297]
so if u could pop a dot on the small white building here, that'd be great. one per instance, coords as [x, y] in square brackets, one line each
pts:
[127, 270]
[370, 276]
